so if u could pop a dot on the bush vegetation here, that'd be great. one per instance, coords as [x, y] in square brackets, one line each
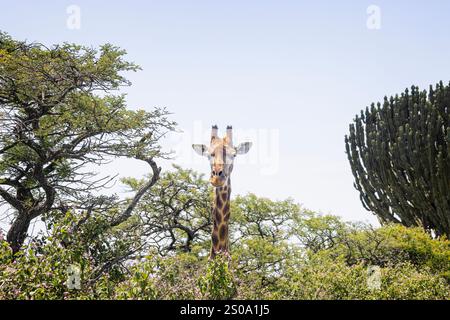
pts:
[279, 251]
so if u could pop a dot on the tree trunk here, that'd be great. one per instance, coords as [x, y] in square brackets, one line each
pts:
[18, 231]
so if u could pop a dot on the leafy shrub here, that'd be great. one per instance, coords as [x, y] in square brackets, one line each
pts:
[218, 282]
[394, 244]
[325, 277]
[39, 273]
[311, 257]
[164, 278]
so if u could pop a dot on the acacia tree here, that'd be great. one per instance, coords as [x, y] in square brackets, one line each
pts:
[175, 214]
[261, 234]
[399, 156]
[60, 113]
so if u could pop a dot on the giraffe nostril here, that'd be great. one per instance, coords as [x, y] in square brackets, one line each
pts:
[217, 173]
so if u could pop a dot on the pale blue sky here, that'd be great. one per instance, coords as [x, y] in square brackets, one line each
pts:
[301, 68]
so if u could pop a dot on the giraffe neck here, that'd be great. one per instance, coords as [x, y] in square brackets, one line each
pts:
[221, 216]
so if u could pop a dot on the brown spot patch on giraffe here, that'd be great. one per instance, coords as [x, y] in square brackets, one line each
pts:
[215, 239]
[217, 216]
[226, 208]
[226, 217]
[222, 231]
[218, 202]
[224, 196]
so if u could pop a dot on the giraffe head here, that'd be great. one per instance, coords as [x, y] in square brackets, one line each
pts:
[221, 153]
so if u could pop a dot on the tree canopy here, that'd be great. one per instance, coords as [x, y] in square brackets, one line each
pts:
[60, 112]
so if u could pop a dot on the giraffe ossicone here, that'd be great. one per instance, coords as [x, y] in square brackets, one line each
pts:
[221, 153]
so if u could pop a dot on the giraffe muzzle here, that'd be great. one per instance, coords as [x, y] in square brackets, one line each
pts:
[217, 181]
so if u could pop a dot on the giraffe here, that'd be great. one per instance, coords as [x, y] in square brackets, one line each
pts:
[221, 154]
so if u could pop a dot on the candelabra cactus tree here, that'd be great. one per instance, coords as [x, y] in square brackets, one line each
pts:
[399, 155]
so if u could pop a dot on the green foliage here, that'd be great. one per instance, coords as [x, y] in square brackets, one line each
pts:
[412, 264]
[40, 271]
[163, 278]
[278, 251]
[175, 213]
[141, 285]
[218, 282]
[399, 155]
[61, 113]
[317, 232]
[324, 276]
[262, 218]
[395, 244]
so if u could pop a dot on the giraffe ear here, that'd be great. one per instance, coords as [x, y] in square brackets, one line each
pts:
[201, 149]
[243, 148]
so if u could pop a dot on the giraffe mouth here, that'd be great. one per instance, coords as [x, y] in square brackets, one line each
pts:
[218, 181]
